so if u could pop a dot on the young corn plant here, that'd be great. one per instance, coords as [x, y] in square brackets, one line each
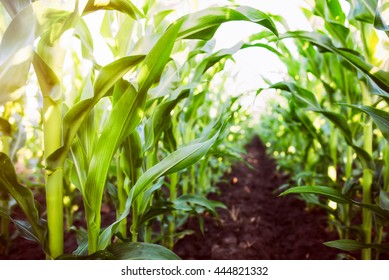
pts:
[83, 140]
[341, 82]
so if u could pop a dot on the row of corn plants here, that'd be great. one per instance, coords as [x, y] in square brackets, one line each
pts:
[145, 132]
[333, 126]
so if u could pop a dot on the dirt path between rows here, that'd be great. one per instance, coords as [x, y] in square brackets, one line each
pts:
[258, 224]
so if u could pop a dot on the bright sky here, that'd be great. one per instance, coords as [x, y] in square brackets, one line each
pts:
[253, 63]
[250, 64]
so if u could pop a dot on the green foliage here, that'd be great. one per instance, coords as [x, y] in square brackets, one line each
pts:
[336, 97]
[118, 133]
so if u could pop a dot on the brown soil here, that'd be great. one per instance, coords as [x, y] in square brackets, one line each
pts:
[257, 224]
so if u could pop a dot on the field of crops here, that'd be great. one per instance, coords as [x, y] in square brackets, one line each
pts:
[120, 136]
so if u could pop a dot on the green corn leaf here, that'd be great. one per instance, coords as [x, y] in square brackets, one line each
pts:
[336, 196]
[303, 97]
[146, 196]
[380, 21]
[16, 51]
[161, 119]
[331, 193]
[307, 99]
[353, 245]
[73, 119]
[174, 162]
[199, 200]
[203, 24]
[24, 198]
[113, 72]
[141, 251]
[123, 6]
[380, 117]
[99, 255]
[119, 126]
[132, 156]
[380, 77]
[128, 251]
[48, 80]
[377, 210]
[363, 10]
[155, 211]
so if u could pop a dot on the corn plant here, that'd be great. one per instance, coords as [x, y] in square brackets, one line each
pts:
[346, 84]
[139, 141]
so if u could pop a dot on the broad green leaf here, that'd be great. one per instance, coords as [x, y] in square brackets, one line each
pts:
[113, 72]
[155, 211]
[141, 251]
[119, 126]
[363, 10]
[16, 50]
[380, 117]
[203, 24]
[99, 255]
[128, 251]
[176, 161]
[330, 11]
[132, 156]
[336, 196]
[377, 210]
[124, 6]
[161, 119]
[199, 200]
[305, 98]
[73, 119]
[353, 245]
[23, 196]
[124, 117]
[331, 193]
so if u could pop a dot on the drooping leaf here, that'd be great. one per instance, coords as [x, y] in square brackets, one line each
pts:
[199, 200]
[380, 77]
[141, 251]
[128, 251]
[24, 198]
[331, 193]
[203, 24]
[119, 126]
[338, 197]
[124, 6]
[73, 119]
[363, 10]
[174, 162]
[354, 245]
[380, 117]
[16, 50]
